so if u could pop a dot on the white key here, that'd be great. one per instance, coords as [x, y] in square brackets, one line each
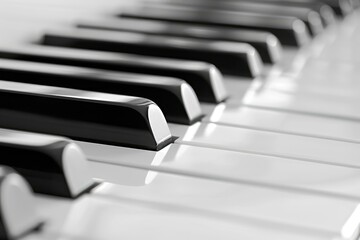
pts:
[228, 166]
[296, 86]
[323, 71]
[268, 143]
[320, 105]
[104, 217]
[283, 122]
[333, 215]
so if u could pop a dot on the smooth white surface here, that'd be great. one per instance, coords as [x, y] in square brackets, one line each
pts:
[276, 49]
[255, 63]
[191, 102]
[18, 206]
[227, 166]
[296, 209]
[175, 207]
[323, 105]
[217, 83]
[280, 121]
[332, 85]
[158, 124]
[268, 143]
[76, 169]
[97, 217]
[99, 155]
[302, 35]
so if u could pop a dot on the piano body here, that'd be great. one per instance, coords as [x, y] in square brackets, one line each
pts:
[179, 119]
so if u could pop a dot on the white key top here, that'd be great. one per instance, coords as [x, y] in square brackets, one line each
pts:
[268, 143]
[283, 122]
[320, 105]
[96, 217]
[18, 214]
[227, 166]
[326, 72]
[237, 202]
[317, 86]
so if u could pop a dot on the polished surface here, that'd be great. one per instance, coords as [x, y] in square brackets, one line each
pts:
[203, 77]
[317, 104]
[310, 17]
[176, 98]
[231, 58]
[290, 30]
[341, 7]
[303, 210]
[51, 165]
[229, 166]
[128, 218]
[269, 183]
[99, 117]
[194, 201]
[18, 215]
[269, 143]
[237, 115]
[265, 43]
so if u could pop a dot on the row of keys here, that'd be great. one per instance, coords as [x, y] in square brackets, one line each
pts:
[196, 193]
[69, 157]
[188, 117]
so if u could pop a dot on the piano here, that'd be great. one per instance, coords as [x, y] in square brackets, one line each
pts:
[179, 119]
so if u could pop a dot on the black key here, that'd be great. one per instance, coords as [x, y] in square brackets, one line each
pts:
[310, 17]
[265, 43]
[290, 31]
[83, 115]
[204, 78]
[231, 58]
[341, 7]
[18, 214]
[287, 6]
[52, 165]
[327, 13]
[175, 97]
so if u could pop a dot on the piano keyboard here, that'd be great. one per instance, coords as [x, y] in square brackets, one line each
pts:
[179, 119]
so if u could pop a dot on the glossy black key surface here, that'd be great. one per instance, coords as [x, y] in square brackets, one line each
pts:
[230, 58]
[204, 78]
[83, 115]
[326, 12]
[52, 165]
[310, 17]
[289, 7]
[265, 43]
[341, 7]
[18, 211]
[290, 31]
[175, 97]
